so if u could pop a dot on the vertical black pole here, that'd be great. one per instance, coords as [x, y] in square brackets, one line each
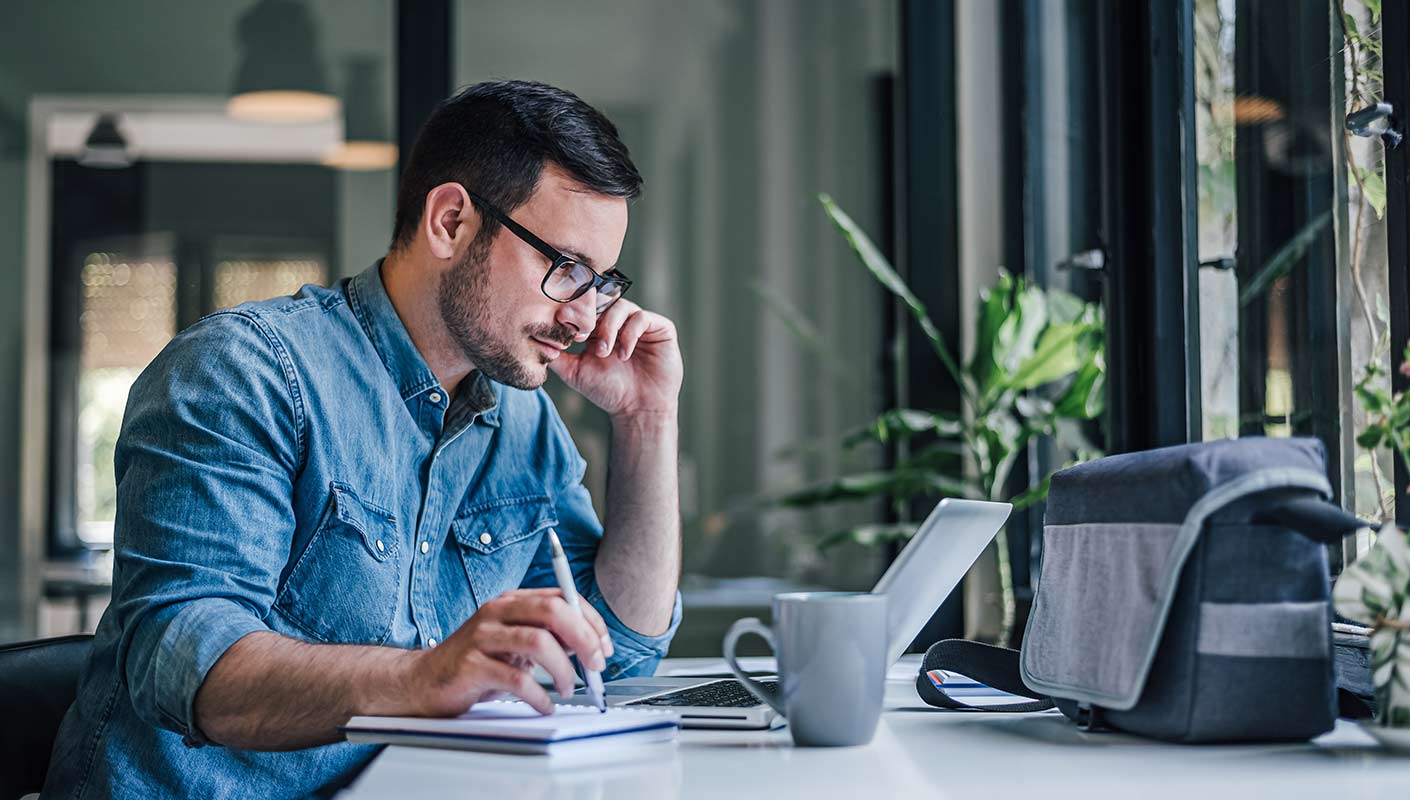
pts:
[929, 214]
[1395, 34]
[1149, 224]
[423, 67]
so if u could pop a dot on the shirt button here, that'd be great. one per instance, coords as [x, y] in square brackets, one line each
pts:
[425, 547]
[434, 397]
[486, 538]
[381, 547]
[431, 642]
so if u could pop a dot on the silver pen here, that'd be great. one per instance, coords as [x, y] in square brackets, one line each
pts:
[570, 593]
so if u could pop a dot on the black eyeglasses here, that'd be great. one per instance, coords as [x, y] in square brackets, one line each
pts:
[567, 279]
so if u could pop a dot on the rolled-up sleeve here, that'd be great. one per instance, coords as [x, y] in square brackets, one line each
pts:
[205, 462]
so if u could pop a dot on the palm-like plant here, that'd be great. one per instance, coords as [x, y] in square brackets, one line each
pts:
[1038, 359]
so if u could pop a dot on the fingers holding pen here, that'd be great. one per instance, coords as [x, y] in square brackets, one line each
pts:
[523, 646]
[548, 610]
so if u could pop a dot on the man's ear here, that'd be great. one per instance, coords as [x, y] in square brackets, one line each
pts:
[448, 219]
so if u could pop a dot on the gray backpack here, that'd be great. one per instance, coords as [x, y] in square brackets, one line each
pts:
[1183, 595]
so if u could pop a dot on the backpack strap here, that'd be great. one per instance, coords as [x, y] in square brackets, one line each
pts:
[996, 667]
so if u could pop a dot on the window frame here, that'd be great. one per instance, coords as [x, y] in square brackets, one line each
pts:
[1395, 38]
[123, 214]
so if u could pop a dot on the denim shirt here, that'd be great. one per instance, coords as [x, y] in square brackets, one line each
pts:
[294, 466]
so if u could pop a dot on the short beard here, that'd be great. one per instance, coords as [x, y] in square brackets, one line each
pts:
[463, 296]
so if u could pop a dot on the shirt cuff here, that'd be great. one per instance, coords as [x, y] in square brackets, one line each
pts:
[191, 644]
[635, 654]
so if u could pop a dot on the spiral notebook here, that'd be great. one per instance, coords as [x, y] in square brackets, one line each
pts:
[513, 727]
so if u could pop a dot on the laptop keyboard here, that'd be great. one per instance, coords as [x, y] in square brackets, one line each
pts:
[715, 694]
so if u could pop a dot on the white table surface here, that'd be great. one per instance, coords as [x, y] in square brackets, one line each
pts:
[919, 752]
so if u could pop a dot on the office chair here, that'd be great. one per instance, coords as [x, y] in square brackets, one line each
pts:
[38, 683]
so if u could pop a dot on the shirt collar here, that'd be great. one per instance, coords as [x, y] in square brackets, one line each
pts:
[367, 296]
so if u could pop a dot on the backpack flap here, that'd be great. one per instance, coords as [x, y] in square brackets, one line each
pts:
[1116, 535]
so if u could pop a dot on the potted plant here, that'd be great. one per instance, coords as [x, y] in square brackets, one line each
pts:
[1038, 361]
[1373, 589]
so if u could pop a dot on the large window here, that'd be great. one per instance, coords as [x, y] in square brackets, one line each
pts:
[1293, 297]
[128, 298]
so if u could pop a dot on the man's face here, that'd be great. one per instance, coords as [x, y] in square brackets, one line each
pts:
[490, 300]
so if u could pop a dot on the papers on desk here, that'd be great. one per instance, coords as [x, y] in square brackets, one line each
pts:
[513, 727]
[967, 690]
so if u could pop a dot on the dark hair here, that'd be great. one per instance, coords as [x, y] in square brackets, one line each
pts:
[494, 138]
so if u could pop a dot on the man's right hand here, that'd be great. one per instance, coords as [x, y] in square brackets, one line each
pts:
[494, 653]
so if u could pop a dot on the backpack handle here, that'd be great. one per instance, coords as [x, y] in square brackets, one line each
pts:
[1312, 517]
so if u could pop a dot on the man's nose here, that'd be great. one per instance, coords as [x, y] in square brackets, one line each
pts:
[580, 314]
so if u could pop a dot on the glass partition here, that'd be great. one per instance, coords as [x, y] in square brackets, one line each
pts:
[145, 180]
[738, 113]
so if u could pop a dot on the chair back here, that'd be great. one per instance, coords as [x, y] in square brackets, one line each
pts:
[38, 683]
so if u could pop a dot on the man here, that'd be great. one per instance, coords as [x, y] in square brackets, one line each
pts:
[336, 503]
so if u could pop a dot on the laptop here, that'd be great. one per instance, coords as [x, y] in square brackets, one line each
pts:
[917, 582]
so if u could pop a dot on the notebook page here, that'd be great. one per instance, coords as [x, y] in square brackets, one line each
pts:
[514, 720]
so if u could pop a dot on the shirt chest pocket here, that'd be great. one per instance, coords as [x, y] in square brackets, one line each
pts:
[344, 586]
[497, 541]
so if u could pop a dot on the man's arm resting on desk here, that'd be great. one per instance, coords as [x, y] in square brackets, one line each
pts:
[270, 692]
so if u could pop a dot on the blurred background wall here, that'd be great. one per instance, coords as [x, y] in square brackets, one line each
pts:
[738, 113]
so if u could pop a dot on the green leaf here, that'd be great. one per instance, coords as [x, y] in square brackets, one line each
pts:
[903, 423]
[1086, 396]
[1018, 336]
[899, 483]
[1065, 306]
[1034, 494]
[1350, 23]
[870, 535]
[1373, 6]
[1055, 357]
[1371, 437]
[1400, 416]
[1372, 400]
[936, 455]
[1285, 258]
[882, 270]
[994, 308]
[1096, 400]
[1373, 187]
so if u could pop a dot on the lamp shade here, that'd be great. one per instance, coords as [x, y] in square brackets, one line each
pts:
[105, 147]
[280, 77]
[367, 144]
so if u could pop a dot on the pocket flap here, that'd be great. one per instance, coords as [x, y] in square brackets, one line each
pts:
[376, 525]
[486, 527]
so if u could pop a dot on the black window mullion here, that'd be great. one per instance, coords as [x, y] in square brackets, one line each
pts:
[929, 233]
[1395, 38]
[424, 67]
[1147, 53]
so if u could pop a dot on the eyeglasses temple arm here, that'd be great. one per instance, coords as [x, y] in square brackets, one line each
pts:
[549, 252]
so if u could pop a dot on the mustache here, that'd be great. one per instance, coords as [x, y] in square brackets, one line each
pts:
[560, 334]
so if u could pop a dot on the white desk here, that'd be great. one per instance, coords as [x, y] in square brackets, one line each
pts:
[919, 753]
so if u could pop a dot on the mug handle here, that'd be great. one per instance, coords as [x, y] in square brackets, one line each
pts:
[732, 636]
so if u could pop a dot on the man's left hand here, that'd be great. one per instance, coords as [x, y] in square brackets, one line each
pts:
[632, 363]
